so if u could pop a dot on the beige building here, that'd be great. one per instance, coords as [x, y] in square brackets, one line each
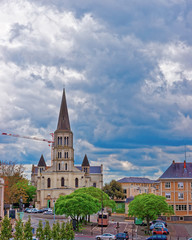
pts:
[1, 198]
[63, 177]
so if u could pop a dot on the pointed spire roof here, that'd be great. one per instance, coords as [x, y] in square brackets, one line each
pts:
[85, 162]
[63, 121]
[42, 162]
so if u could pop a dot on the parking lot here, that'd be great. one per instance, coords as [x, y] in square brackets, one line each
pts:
[177, 231]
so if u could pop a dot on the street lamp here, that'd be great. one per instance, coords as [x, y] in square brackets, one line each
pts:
[54, 209]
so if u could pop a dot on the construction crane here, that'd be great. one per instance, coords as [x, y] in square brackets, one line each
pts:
[33, 138]
[50, 142]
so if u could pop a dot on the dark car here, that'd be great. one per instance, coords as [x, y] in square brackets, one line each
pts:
[157, 237]
[122, 236]
[159, 221]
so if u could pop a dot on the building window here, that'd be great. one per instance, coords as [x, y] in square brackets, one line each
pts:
[59, 166]
[85, 170]
[59, 141]
[168, 195]
[180, 184]
[66, 141]
[180, 195]
[191, 195]
[62, 182]
[190, 207]
[66, 154]
[48, 182]
[125, 191]
[191, 184]
[66, 166]
[94, 184]
[181, 207]
[59, 154]
[167, 185]
[76, 182]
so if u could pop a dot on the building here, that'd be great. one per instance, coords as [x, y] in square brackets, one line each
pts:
[133, 186]
[1, 198]
[63, 177]
[176, 186]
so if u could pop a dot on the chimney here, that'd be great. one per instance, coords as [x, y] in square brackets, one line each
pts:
[173, 161]
[184, 164]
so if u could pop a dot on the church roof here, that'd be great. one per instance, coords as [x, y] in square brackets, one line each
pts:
[63, 121]
[85, 162]
[92, 169]
[41, 162]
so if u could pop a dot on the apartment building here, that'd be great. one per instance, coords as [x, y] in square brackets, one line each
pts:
[176, 186]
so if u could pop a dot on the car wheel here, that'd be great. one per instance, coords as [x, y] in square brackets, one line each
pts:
[98, 238]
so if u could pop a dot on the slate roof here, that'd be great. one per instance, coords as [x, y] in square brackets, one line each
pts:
[63, 121]
[177, 170]
[92, 169]
[42, 162]
[85, 162]
[135, 180]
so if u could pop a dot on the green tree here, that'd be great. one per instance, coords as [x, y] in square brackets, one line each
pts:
[69, 231]
[114, 190]
[6, 228]
[63, 231]
[148, 207]
[39, 231]
[47, 231]
[77, 205]
[28, 235]
[98, 194]
[19, 231]
[56, 231]
[29, 189]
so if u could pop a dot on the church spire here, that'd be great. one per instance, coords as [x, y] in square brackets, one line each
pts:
[63, 121]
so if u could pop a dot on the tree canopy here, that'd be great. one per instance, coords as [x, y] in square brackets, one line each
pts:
[77, 205]
[149, 207]
[114, 190]
[98, 194]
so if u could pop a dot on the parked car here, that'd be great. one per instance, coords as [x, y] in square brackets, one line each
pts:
[29, 210]
[41, 211]
[160, 231]
[122, 236]
[159, 221]
[26, 209]
[49, 212]
[157, 225]
[157, 237]
[104, 236]
[34, 210]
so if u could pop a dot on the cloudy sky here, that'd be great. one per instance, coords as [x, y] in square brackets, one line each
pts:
[127, 70]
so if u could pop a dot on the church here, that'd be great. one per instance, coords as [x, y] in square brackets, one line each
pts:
[63, 177]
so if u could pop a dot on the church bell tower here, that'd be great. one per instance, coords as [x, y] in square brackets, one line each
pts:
[63, 152]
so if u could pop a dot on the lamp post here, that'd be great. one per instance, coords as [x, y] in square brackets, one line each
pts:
[54, 209]
[102, 212]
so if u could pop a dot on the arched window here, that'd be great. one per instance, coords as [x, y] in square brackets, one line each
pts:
[76, 182]
[58, 140]
[59, 166]
[66, 166]
[59, 154]
[94, 184]
[65, 140]
[62, 182]
[48, 182]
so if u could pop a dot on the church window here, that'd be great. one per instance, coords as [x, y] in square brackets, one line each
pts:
[59, 154]
[94, 184]
[59, 166]
[62, 182]
[48, 182]
[65, 140]
[76, 182]
[66, 166]
[66, 154]
[59, 140]
[85, 170]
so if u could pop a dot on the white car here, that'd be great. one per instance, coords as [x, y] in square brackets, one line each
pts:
[157, 225]
[107, 236]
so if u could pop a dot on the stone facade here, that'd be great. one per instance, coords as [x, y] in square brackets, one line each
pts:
[63, 177]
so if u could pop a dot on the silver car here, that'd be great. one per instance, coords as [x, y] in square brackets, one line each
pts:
[107, 236]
